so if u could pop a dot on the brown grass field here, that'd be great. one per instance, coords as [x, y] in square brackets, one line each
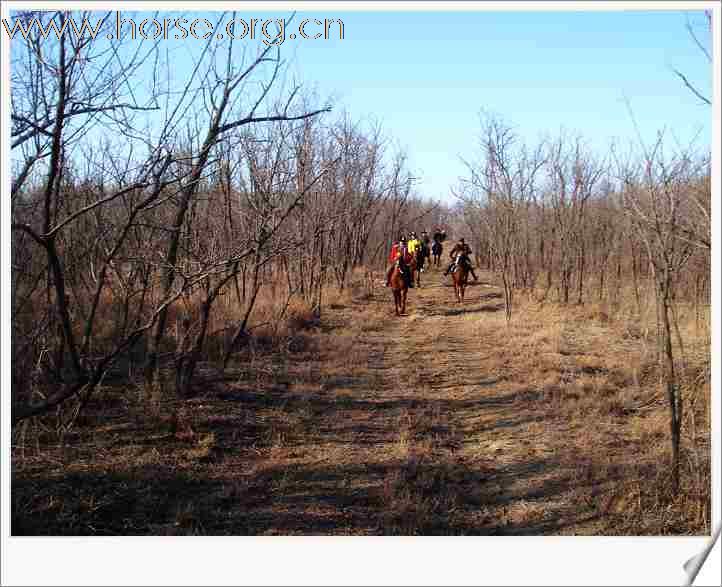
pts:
[445, 421]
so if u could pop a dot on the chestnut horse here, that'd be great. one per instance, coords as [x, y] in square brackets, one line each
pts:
[461, 277]
[436, 250]
[400, 289]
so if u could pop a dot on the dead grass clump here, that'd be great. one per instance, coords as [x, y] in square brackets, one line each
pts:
[421, 495]
[204, 448]
[651, 428]
[188, 521]
[340, 348]
[363, 285]
[633, 331]
[696, 370]
[646, 504]
[599, 312]
[369, 327]
[336, 299]
[404, 512]
[181, 426]
[264, 340]
[524, 513]
[302, 343]
[302, 318]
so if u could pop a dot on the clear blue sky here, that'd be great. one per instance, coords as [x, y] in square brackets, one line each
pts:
[426, 76]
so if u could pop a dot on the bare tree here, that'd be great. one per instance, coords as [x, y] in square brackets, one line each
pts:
[64, 87]
[73, 107]
[502, 187]
[654, 196]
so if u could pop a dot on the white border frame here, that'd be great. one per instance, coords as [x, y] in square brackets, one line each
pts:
[354, 561]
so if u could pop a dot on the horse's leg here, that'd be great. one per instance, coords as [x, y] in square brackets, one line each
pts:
[403, 300]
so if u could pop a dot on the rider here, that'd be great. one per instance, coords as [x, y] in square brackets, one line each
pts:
[400, 253]
[425, 247]
[413, 243]
[439, 235]
[460, 248]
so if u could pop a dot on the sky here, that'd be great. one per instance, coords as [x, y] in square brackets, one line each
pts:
[425, 77]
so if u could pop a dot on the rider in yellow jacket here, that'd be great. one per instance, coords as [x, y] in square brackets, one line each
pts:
[413, 244]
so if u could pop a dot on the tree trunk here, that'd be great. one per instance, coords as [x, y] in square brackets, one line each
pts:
[671, 386]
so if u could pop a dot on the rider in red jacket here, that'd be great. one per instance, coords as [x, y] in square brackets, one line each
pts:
[401, 253]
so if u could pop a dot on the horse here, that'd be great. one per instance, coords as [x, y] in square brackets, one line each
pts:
[436, 250]
[461, 276]
[420, 256]
[400, 289]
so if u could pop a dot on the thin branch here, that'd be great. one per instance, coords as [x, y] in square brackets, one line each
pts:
[277, 118]
[691, 87]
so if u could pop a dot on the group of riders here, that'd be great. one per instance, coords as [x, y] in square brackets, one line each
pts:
[417, 249]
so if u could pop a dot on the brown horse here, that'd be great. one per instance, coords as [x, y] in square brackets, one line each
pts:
[436, 250]
[400, 289]
[461, 277]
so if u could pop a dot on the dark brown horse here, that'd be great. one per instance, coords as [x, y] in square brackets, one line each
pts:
[400, 289]
[461, 277]
[436, 250]
[420, 256]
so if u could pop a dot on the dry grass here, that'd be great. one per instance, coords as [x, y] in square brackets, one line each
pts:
[448, 421]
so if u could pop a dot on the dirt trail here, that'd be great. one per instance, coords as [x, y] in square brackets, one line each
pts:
[440, 439]
[424, 424]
